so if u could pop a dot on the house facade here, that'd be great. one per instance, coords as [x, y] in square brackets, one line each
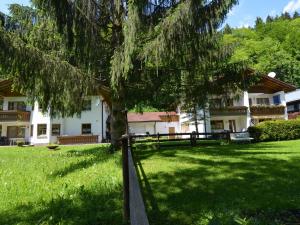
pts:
[263, 101]
[293, 104]
[20, 121]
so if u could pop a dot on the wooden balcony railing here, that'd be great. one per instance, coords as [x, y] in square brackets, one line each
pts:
[81, 139]
[14, 116]
[233, 110]
[267, 110]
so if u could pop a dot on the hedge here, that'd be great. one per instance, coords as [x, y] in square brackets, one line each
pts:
[276, 130]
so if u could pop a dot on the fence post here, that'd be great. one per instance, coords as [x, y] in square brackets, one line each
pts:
[126, 209]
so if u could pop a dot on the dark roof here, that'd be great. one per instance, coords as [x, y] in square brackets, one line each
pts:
[271, 85]
[149, 116]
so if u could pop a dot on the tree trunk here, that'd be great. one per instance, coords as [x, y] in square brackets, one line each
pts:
[118, 120]
[196, 119]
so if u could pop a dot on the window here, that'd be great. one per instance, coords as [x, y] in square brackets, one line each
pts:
[55, 129]
[263, 101]
[250, 101]
[87, 105]
[217, 125]
[276, 100]
[31, 130]
[291, 108]
[216, 103]
[42, 129]
[1, 104]
[86, 128]
[15, 132]
[17, 106]
[229, 102]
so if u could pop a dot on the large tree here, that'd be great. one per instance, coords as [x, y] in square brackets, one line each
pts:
[132, 51]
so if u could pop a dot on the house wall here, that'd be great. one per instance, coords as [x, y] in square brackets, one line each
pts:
[69, 125]
[153, 127]
[240, 121]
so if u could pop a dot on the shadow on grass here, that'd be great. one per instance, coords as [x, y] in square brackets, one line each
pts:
[241, 187]
[79, 207]
[94, 156]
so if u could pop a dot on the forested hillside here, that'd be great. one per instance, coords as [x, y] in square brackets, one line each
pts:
[271, 46]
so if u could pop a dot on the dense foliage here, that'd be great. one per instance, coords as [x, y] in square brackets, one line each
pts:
[276, 130]
[271, 46]
[145, 52]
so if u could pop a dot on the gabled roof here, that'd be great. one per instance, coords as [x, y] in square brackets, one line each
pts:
[269, 85]
[152, 117]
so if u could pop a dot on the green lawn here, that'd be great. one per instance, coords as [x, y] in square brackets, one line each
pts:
[74, 185]
[221, 184]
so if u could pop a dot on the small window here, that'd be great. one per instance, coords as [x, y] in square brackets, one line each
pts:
[87, 105]
[31, 130]
[276, 100]
[17, 106]
[250, 101]
[263, 101]
[42, 129]
[55, 129]
[86, 128]
[217, 125]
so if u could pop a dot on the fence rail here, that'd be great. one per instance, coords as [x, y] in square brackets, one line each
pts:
[134, 210]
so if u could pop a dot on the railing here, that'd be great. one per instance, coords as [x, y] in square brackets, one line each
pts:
[134, 210]
[82, 139]
[233, 110]
[267, 110]
[13, 116]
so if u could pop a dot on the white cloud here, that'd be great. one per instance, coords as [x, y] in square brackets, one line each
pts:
[292, 6]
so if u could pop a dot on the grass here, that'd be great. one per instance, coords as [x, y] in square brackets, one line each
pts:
[255, 184]
[74, 185]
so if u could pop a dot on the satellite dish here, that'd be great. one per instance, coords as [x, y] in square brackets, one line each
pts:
[272, 75]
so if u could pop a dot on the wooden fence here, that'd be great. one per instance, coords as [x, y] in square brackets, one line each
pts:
[134, 210]
[190, 138]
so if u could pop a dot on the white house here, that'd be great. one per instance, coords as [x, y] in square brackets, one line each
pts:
[263, 101]
[20, 121]
[153, 122]
[293, 104]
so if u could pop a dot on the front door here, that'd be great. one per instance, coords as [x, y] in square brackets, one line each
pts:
[232, 126]
[172, 131]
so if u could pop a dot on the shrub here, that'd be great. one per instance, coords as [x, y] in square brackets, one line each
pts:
[276, 130]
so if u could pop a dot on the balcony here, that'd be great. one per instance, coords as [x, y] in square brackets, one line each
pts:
[14, 116]
[229, 111]
[267, 110]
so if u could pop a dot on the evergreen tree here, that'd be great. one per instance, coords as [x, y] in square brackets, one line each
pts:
[296, 15]
[227, 29]
[258, 22]
[117, 47]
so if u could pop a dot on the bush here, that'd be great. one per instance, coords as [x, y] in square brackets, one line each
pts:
[276, 130]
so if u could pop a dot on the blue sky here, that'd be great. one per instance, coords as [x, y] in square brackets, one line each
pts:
[241, 15]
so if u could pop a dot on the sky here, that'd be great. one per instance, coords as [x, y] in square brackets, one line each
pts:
[242, 15]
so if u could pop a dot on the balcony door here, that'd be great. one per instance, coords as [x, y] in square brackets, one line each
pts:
[15, 132]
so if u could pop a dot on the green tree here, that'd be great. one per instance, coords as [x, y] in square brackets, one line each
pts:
[117, 46]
